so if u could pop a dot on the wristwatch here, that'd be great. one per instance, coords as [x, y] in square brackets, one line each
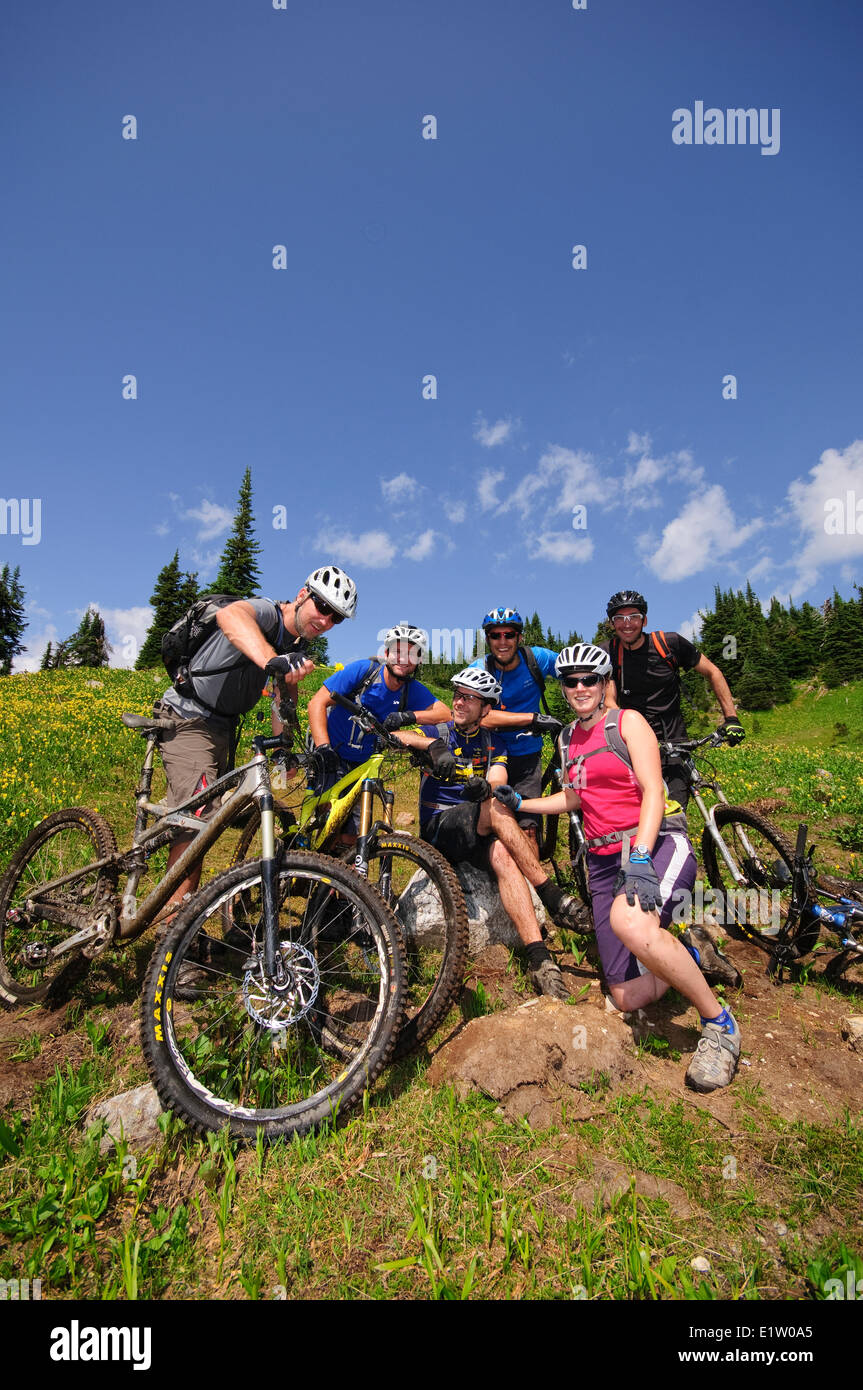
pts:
[640, 852]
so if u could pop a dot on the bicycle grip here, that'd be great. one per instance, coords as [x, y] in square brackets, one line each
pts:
[800, 847]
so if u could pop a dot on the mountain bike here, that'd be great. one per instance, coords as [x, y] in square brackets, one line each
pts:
[748, 858]
[275, 997]
[412, 877]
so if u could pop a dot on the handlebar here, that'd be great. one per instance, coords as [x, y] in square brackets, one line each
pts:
[370, 724]
[714, 740]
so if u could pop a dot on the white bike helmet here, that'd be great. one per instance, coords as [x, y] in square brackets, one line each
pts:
[582, 657]
[479, 682]
[335, 588]
[406, 632]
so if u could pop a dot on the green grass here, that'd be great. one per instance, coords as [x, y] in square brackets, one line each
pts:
[418, 1194]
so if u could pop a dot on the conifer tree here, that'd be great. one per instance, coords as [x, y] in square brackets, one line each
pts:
[842, 647]
[12, 620]
[238, 571]
[88, 645]
[173, 594]
[47, 662]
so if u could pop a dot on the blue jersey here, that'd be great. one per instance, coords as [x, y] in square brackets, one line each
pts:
[520, 694]
[474, 755]
[350, 742]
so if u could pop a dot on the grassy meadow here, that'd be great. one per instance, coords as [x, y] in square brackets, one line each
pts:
[421, 1194]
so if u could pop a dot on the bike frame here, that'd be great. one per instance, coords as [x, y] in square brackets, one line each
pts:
[252, 783]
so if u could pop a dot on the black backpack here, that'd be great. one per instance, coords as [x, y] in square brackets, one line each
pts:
[188, 635]
[532, 665]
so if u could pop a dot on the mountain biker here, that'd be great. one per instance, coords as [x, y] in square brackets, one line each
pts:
[256, 637]
[645, 677]
[611, 762]
[518, 724]
[389, 689]
[459, 817]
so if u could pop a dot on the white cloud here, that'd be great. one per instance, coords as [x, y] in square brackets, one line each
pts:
[214, 520]
[401, 488]
[640, 481]
[31, 657]
[705, 531]
[821, 502]
[485, 489]
[638, 443]
[125, 629]
[422, 548]
[563, 479]
[454, 511]
[372, 549]
[560, 547]
[205, 563]
[490, 435]
[162, 528]
[690, 627]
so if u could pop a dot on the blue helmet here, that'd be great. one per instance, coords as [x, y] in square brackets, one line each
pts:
[510, 616]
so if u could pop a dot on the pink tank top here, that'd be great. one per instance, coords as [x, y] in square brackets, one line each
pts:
[609, 791]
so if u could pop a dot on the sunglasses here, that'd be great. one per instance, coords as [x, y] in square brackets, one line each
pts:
[501, 636]
[628, 618]
[587, 681]
[326, 610]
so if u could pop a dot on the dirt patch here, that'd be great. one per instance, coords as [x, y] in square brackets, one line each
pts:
[605, 1180]
[538, 1056]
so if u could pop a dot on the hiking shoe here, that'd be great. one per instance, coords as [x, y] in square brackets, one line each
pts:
[547, 978]
[564, 910]
[716, 968]
[715, 1060]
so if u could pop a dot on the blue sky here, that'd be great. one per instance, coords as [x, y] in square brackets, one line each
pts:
[406, 257]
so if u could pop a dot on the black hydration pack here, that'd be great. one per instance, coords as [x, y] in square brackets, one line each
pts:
[188, 635]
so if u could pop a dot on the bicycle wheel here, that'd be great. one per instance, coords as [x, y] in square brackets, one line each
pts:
[546, 834]
[424, 893]
[758, 909]
[63, 843]
[226, 1046]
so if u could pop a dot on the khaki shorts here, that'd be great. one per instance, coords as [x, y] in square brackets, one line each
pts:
[193, 750]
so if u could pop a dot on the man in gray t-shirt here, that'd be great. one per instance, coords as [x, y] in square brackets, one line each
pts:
[256, 638]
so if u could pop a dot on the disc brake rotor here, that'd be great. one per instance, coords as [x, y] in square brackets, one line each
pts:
[277, 1006]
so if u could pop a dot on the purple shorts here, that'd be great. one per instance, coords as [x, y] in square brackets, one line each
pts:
[676, 868]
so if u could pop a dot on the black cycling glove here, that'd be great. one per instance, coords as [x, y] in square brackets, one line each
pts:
[327, 759]
[442, 758]
[398, 720]
[638, 880]
[508, 797]
[732, 730]
[476, 789]
[286, 665]
[546, 724]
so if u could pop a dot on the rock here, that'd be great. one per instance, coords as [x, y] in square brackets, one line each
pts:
[852, 1031]
[537, 1056]
[700, 1264]
[780, 1228]
[405, 818]
[488, 923]
[95, 685]
[132, 1116]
